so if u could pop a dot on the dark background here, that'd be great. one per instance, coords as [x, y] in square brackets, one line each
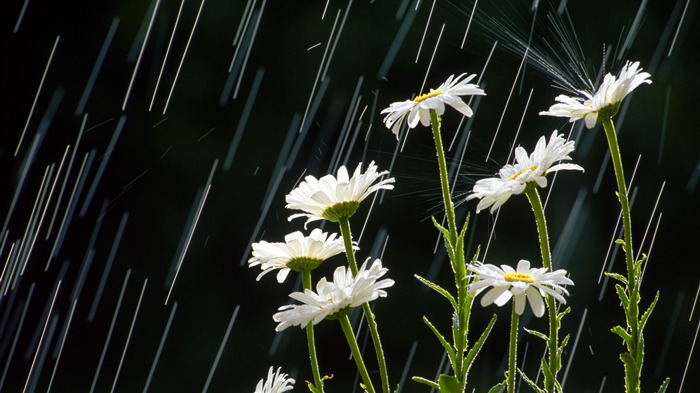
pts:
[160, 165]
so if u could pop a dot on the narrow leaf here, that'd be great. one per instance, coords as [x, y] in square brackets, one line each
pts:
[618, 277]
[537, 334]
[623, 334]
[647, 313]
[445, 344]
[664, 385]
[425, 382]
[435, 287]
[469, 359]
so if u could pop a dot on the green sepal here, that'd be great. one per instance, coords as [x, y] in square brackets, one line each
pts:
[448, 348]
[618, 277]
[448, 384]
[471, 355]
[664, 385]
[424, 381]
[435, 287]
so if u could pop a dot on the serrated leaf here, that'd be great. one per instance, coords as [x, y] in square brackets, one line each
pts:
[443, 342]
[530, 382]
[622, 295]
[631, 372]
[435, 287]
[562, 314]
[623, 334]
[471, 355]
[546, 372]
[618, 277]
[448, 384]
[647, 313]
[664, 385]
[537, 334]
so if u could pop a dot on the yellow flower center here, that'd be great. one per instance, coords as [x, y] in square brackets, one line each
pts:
[520, 277]
[513, 177]
[424, 97]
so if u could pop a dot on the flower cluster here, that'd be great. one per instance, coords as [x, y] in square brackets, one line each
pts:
[334, 297]
[512, 179]
[606, 100]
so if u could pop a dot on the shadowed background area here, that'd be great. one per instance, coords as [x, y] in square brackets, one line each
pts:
[146, 145]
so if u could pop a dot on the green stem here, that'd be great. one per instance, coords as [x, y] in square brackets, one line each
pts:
[310, 339]
[512, 350]
[369, 315]
[444, 181]
[352, 342]
[553, 341]
[457, 259]
[632, 310]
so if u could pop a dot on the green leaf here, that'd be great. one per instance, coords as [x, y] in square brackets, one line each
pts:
[618, 277]
[500, 388]
[562, 314]
[631, 372]
[622, 295]
[530, 382]
[425, 382]
[537, 334]
[623, 334]
[664, 385]
[445, 344]
[435, 287]
[546, 372]
[449, 384]
[311, 387]
[469, 359]
[620, 242]
[647, 313]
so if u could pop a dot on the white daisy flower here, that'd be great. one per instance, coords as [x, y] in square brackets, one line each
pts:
[419, 108]
[335, 297]
[333, 198]
[606, 100]
[298, 253]
[512, 179]
[521, 283]
[276, 382]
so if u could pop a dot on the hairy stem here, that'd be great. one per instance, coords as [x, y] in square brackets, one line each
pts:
[310, 338]
[553, 341]
[512, 350]
[369, 315]
[352, 342]
[632, 287]
[456, 258]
